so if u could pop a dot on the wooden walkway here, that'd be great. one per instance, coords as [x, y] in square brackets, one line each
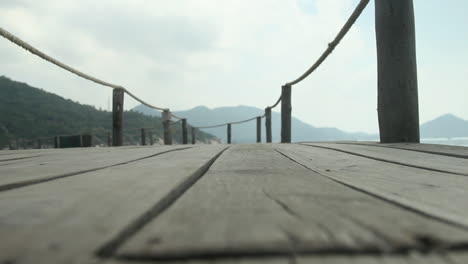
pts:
[340, 202]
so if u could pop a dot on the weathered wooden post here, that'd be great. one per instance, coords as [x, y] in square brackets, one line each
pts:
[150, 135]
[109, 139]
[39, 143]
[268, 124]
[117, 117]
[259, 129]
[193, 135]
[229, 133]
[397, 71]
[286, 110]
[56, 142]
[184, 131]
[143, 137]
[166, 116]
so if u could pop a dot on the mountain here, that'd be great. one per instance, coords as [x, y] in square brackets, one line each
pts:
[27, 113]
[445, 126]
[246, 132]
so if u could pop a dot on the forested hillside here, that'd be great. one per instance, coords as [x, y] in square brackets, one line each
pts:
[28, 113]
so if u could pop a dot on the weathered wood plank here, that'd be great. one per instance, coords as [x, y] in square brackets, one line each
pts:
[255, 202]
[437, 194]
[414, 258]
[446, 150]
[67, 221]
[63, 163]
[17, 157]
[403, 157]
[454, 151]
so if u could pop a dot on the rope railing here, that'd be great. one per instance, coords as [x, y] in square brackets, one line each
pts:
[225, 124]
[284, 98]
[68, 68]
[277, 102]
[331, 46]
[176, 116]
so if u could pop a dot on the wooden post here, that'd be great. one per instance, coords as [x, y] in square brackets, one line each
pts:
[109, 139]
[56, 142]
[397, 71]
[268, 124]
[166, 116]
[259, 129]
[193, 135]
[184, 132]
[117, 117]
[39, 143]
[150, 135]
[143, 137]
[229, 133]
[286, 110]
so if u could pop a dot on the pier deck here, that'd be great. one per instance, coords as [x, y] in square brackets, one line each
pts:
[340, 202]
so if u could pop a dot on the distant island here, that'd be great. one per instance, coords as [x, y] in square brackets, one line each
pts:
[445, 126]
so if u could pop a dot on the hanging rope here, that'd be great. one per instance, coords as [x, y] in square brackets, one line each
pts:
[232, 123]
[277, 102]
[46, 57]
[331, 46]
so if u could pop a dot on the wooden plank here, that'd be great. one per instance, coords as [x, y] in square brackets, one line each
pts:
[67, 163]
[16, 157]
[445, 150]
[254, 202]
[437, 194]
[414, 258]
[67, 221]
[403, 157]
[272, 260]
[453, 151]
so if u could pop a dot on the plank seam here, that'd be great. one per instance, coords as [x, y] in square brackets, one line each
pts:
[21, 184]
[109, 248]
[388, 200]
[387, 161]
[20, 158]
[253, 253]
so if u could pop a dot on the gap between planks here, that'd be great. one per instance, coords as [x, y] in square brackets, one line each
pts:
[24, 183]
[233, 212]
[165, 202]
[461, 169]
[66, 221]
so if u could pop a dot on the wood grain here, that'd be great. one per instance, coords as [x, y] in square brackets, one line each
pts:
[65, 163]
[254, 202]
[437, 194]
[68, 220]
[403, 157]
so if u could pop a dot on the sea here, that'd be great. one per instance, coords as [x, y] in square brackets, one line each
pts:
[456, 141]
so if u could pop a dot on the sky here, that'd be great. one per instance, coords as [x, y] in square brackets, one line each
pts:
[184, 53]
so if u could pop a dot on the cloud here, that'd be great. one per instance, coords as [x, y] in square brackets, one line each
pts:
[185, 53]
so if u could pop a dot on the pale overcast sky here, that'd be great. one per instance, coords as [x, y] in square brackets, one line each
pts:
[184, 53]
